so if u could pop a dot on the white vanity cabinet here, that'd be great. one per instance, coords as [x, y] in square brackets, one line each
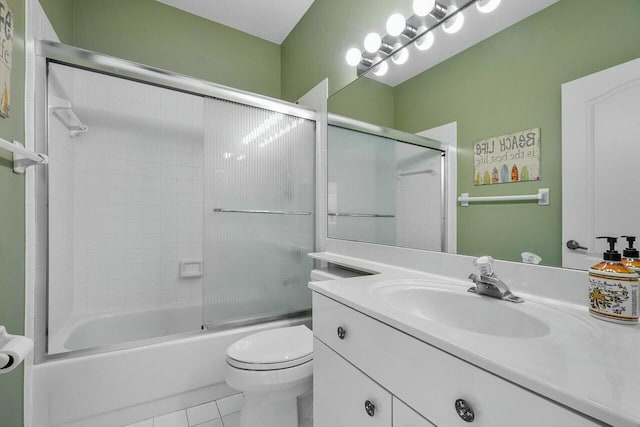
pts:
[353, 350]
[403, 416]
[344, 396]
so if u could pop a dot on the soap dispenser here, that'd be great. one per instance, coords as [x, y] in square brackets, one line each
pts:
[613, 288]
[631, 255]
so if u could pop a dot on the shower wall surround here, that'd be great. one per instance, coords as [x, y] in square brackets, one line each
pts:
[126, 198]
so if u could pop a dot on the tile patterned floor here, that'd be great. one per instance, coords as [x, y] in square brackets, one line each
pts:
[218, 413]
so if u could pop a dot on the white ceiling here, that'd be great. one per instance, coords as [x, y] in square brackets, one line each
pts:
[477, 27]
[271, 20]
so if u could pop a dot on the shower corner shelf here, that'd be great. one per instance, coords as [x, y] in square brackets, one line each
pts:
[61, 109]
[23, 158]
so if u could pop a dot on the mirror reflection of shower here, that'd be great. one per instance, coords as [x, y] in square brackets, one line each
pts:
[383, 190]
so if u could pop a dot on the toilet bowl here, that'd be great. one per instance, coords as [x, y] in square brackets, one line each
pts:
[272, 368]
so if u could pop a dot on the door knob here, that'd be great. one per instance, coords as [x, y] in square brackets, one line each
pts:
[573, 245]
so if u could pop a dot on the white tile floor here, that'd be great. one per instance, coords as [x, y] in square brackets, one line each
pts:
[218, 413]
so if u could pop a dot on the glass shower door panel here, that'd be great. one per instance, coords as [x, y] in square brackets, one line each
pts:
[259, 212]
[125, 210]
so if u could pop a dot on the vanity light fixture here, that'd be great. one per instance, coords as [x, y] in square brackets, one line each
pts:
[382, 68]
[429, 7]
[426, 41]
[401, 56]
[354, 56]
[403, 31]
[455, 23]
[487, 6]
[372, 42]
[396, 24]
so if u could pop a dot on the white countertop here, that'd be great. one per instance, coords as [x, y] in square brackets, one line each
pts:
[594, 369]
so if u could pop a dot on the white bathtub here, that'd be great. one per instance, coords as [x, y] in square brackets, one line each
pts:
[126, 327]
[124, 386]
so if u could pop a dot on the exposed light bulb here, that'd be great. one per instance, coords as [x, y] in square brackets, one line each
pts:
[423, 7]
[401, 56]
[426, 41]
[455, 23]
[381, 69]
[396, 24]
[372, 42]
[354, 56]
[487, 6]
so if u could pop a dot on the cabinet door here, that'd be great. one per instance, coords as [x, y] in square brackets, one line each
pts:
[403, 416]
[343, 396]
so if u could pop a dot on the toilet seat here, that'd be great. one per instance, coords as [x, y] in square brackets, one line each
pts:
[268, 366]
[274, 349]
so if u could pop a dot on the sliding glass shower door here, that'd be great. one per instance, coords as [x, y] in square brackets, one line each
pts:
[259, 213]
[125, 210]
[159, 200]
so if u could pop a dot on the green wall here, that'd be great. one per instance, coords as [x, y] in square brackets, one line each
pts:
[60, 14]
[12, 231]
[155, 34]
[512, 82]
[366, 100]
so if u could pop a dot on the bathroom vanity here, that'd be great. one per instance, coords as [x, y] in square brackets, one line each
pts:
[405, 348]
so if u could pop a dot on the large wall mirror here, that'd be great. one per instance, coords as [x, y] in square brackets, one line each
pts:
[500, 73]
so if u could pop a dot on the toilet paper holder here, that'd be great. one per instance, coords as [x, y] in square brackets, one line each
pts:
[13, 350]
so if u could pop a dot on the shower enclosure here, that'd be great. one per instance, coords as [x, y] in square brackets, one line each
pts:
[169, 206]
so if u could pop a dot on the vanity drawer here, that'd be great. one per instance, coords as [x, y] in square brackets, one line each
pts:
[403, 416]
[428, 379]
[344, 396]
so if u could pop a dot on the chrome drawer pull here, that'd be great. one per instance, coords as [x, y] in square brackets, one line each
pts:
[464, 410]
[370, 408]
[341, 332]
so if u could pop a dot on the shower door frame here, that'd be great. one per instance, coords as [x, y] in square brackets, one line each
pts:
[47, 52]
[411, 139]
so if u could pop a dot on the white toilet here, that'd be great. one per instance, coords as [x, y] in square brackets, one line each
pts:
[272, 368]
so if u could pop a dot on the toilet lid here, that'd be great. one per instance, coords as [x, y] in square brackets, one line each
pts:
[273, 349]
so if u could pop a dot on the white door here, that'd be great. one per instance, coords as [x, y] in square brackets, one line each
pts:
[600, 161]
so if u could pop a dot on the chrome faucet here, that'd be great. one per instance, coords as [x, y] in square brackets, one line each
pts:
[487, 283]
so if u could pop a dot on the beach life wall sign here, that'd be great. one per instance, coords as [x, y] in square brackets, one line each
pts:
[6, 56]
[514, 157]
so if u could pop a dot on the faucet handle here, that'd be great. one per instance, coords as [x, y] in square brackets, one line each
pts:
[485, 265]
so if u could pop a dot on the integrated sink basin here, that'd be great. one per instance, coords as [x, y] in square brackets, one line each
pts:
[456, 308]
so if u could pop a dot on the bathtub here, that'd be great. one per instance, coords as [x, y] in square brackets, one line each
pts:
[125, 327]
[124, 386]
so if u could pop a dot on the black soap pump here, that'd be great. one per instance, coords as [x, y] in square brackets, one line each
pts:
[613, 288]
[631, 255]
